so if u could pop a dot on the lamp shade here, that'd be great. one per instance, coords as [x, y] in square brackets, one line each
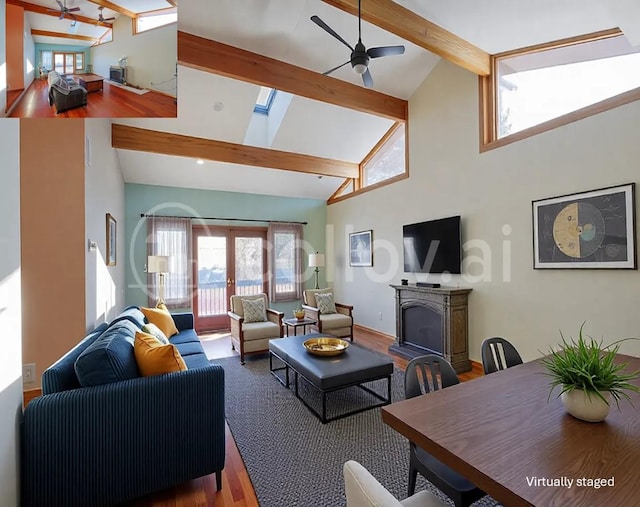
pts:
[316, 260]
[158, 264]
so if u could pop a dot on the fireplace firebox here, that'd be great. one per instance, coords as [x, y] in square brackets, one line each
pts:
[432, 321]
[118, 74]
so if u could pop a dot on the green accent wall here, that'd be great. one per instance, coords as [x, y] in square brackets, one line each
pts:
[211, 203]
[61, 47]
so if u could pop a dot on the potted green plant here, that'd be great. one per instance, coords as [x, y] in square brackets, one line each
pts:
[589, 376]
[298, 313]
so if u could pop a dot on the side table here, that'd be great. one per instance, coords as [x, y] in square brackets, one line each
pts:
[295, 324]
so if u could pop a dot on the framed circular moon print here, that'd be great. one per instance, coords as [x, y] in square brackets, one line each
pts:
[588, 230]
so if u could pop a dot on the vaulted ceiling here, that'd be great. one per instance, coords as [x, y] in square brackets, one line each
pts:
[220, 107]
[48, 28]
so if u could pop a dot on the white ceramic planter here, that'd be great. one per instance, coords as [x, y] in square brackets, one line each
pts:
[587, 408]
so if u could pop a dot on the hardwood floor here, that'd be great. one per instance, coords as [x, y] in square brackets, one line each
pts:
[111, 102]
[12, 96]
[237, 490]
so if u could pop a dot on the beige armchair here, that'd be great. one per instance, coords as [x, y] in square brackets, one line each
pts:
[338, 324]
[253, 337]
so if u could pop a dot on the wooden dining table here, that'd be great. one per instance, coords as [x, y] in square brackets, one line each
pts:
[501, 433]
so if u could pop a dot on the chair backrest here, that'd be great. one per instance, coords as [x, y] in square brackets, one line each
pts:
[498, 354]
[363, 490]
[428, 373]
[236, 302]
[309, 296]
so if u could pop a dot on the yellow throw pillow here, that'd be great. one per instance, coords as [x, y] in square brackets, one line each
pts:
[153, 358]
[162, 319]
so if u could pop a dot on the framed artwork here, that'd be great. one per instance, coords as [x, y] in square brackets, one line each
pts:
[112, 234]
[360, 249]
[588, 230]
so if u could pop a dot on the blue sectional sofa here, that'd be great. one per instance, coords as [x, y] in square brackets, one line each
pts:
[112, 442]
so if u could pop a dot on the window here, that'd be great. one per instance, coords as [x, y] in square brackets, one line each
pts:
[155, 19]
[285, 262]
[387, 161]
[67, 63]
[46, 59]
[79, 61]
[536, 89]
[171, 237]
[265, 100]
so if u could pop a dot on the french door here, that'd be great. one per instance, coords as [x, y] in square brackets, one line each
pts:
[227, 261]
[64, 63]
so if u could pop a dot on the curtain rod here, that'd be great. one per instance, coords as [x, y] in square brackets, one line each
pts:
[144, 215]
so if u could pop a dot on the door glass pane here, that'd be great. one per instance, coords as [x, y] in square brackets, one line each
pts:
[59, 62]
[212, 275]
[69, 61]
[249, 266]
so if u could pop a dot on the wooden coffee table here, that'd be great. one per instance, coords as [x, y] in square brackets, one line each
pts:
[91, 82]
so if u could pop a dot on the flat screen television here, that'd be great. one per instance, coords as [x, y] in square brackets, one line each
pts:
[433, 246]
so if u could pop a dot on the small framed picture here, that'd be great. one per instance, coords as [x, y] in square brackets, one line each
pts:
[587, 230]
[112, 233]
[361, 249]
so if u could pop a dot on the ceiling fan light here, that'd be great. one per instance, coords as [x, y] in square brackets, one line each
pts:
[360, 68]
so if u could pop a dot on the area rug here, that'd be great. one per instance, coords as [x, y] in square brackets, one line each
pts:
[292, 458]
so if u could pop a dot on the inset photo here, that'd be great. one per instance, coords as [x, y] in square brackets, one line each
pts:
[90, 59]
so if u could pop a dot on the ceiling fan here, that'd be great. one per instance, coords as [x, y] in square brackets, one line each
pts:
[101, 19]
[360, 55]
[64, 10]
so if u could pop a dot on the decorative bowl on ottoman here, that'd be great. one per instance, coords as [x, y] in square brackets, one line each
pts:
[298, 314]
[326, 346]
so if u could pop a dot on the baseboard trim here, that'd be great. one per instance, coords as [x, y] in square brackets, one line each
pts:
[476, 367]
[30, 394]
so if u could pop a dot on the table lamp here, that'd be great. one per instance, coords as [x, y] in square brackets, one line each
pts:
[316, 260]
[159, 264]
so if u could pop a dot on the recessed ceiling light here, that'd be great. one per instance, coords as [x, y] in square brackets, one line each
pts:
[218, 106]
[199, 161]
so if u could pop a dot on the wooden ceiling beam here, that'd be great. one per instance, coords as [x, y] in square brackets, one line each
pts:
[166, 143]
[39, 9]
[212, 56]
[407, 25]
[172, 3]
[46, 33]
[111, 6]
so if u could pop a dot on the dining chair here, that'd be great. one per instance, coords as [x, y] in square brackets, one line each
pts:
[498, 354]
[363, 490]
[423, 375]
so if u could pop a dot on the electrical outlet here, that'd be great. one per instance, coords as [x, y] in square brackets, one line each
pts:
[28, 373]
[379, 315]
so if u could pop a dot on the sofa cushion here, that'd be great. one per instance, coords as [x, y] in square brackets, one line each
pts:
[110, 358]
[189, 348]
[154, 358]
[132, 314]
[162, 319]
[61, 375]
[260, 330]
[196, 361]
[185, 336]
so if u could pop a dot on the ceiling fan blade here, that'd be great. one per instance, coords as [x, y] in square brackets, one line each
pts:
[335, 68]
[75, 9]
[62, 15]
[109, 19]
[329, 30]
[60, 4]
[385, 51]
[367, 79]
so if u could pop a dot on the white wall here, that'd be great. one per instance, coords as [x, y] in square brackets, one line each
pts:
[10, 314]
[493, 193]
[3, 61]
[104, 193]
[29, 54]
[152, 55]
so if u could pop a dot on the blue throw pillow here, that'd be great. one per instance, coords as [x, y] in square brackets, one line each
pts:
[110, 358]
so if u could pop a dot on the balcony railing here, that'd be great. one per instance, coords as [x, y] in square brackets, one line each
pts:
[213, 298]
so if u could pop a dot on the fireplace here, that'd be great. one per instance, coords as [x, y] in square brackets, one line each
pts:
[118, 74]
[432, 321]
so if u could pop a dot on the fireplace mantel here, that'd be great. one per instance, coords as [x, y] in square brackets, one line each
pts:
[433, 321]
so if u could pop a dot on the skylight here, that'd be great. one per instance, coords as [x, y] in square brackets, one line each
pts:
[265, 99]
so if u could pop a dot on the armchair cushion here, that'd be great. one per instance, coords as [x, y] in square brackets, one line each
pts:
[334, 321]
[325, 302]
[260, 330]
[254, 310]
[236, 302]
[310, 295]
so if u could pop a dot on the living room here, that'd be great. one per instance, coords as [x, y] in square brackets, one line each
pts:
[491, 190]
[119, 55]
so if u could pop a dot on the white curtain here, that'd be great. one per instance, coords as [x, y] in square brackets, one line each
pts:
[172, 237]
[285, 261]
